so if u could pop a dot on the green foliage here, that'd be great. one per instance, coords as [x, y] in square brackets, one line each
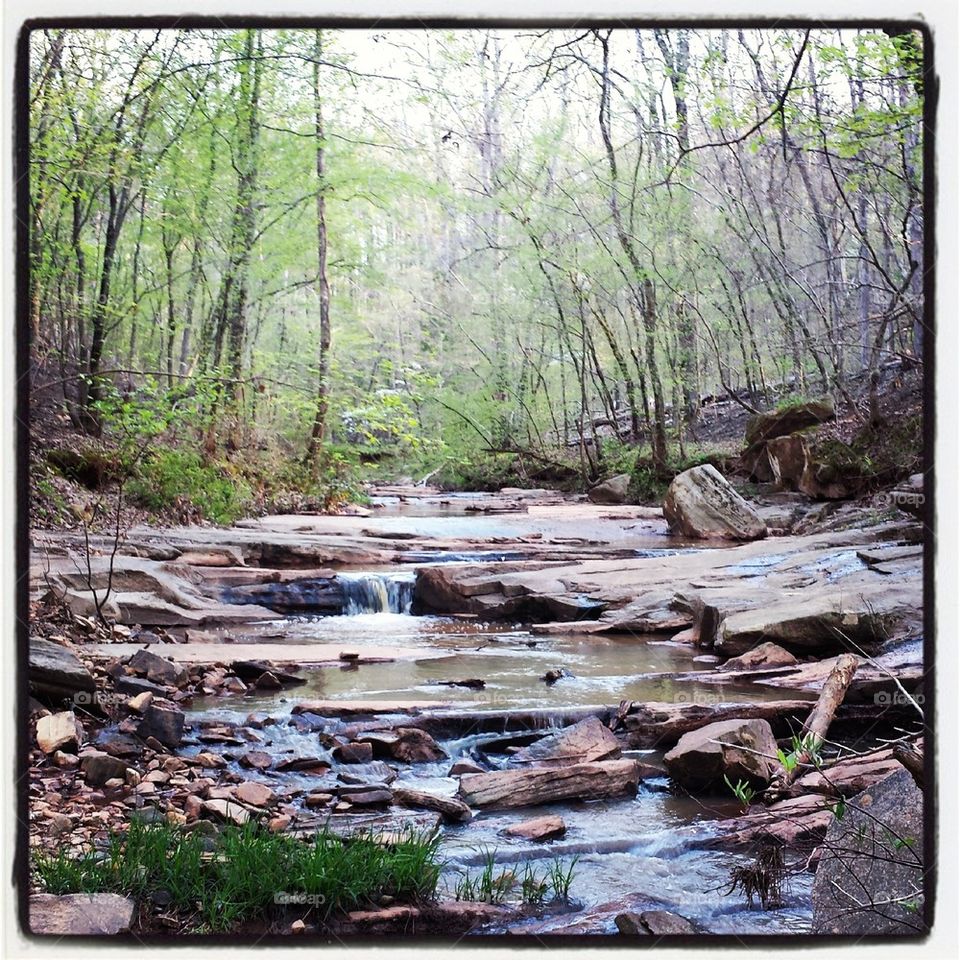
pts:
[741, 790]
[168, 479]
[875, 456]
[248, 873]
[648, 485]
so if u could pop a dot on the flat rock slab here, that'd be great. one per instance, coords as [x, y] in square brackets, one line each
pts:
[80, 914]
[314, 654]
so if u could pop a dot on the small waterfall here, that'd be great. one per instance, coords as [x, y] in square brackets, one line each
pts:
[376, 593]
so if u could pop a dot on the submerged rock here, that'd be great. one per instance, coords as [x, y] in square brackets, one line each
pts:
[735, 749]
[700, 503]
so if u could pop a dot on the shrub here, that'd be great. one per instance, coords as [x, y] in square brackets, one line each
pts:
[169, 478]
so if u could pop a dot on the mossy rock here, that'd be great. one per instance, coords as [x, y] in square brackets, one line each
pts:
[789, 419]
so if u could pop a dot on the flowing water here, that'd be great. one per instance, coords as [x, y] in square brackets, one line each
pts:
[637, 853]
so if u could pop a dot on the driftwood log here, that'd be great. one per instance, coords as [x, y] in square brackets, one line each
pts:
[537, 785]
[815, 727]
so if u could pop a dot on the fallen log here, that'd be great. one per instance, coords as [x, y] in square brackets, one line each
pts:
[538, 785]
[663, 724]
[815, 727]
[911, 756]
[451, 809]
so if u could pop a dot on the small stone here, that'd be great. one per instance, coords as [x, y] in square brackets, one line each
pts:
[225, 810]
[349, 656]
[209, 760]
[279, 824]
[317, 800]
[257, 760]
[59, 730]
[59, 823]
[98, 768]
[163, 721]
[353, 752]
[298, 926]
[175, 818]
[140, 702]
[192, 806]
[157, 669]
[254, 793]
[67, 761]
[132, 777]
[267, 681]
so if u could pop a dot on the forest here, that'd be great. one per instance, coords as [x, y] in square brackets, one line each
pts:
[477, 482]
[469, 255]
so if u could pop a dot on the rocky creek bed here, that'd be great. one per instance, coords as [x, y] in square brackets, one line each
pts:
[527, 674]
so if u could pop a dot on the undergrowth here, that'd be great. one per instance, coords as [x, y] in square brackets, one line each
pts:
[249, 874]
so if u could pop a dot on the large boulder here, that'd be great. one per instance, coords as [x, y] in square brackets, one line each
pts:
[870, 879]
[611, 491]
[57, 671]
[819, 623]
[701, 504]
[797, 416]
[735, 749]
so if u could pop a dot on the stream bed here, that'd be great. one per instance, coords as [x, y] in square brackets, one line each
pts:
[635, 853]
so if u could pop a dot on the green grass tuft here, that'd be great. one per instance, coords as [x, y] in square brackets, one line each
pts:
[249, 874]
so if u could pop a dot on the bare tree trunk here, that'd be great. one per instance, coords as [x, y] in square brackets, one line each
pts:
[323, 287]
